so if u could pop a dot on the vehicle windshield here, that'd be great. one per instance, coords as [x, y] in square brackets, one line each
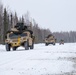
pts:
[12, 36]
[23, 34]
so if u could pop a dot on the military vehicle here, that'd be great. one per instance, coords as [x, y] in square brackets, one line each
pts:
[19, 36]
[61, 42]
[50, 39]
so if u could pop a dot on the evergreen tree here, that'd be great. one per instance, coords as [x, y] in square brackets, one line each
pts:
[5, 23]
[1, 22]
[11, 20]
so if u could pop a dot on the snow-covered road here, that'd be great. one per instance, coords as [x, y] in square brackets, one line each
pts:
[42, 60]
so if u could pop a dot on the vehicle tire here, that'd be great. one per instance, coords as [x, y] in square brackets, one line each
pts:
[14, 48]
[59, 43]
[7, 47]
[46, 44]
[32, 46]
[53, 43]
[26, 45]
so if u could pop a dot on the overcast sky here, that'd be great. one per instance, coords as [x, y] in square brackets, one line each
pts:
[57, 15]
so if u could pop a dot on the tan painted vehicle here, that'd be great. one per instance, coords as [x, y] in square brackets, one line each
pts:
[19, 36]
[50, 39]
[61, 42]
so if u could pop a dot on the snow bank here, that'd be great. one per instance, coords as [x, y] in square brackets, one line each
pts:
[42, 60]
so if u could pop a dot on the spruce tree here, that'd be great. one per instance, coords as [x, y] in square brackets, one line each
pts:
[5, 23]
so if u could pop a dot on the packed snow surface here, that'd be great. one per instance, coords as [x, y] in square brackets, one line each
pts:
[42, 60]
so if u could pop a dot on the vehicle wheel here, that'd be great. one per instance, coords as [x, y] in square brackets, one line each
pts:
[26, 45]
[46, 44]
[14, 48]
[59, 43]
[53, 43]
[7, 47]
[32, 46]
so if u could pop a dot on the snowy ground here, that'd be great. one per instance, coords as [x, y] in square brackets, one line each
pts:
[42, 60]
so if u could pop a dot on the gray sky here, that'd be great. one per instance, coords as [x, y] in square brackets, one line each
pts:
[57, 15]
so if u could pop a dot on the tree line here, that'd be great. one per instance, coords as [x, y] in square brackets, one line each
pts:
[9, 20]
[68, 37]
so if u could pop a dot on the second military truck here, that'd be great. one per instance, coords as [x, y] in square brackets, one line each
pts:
[50, 39]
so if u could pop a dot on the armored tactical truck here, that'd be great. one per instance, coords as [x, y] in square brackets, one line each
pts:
[61, 42]
[50, 39]
[19, 36]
